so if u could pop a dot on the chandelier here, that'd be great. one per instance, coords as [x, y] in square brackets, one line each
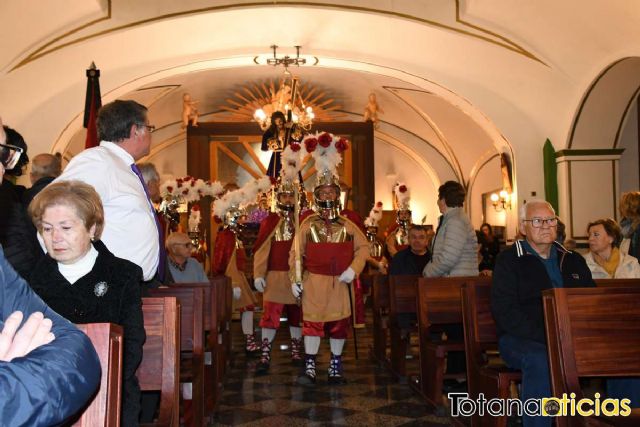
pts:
[286, 99]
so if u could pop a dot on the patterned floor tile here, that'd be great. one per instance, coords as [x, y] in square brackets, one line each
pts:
[372, 397]
[325, 414]
[404, 409]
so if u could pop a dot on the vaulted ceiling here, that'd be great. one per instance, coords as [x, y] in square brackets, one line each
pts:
[465, 79]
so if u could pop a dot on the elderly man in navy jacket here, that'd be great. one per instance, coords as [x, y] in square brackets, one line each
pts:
[521, 273]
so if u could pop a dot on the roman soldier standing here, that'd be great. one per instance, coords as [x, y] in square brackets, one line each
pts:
[271, 263]
[376, 260]
[332, 250]
[229, 257]
[397, 235]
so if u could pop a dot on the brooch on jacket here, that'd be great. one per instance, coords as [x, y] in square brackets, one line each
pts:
[100, 289]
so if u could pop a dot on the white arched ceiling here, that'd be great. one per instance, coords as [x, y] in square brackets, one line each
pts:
[601, 115]
[511, 68]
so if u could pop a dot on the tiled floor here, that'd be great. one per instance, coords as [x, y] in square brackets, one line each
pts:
[370, 398]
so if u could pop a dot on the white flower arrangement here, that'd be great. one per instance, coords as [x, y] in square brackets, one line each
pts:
[241, 197]
[190, 189]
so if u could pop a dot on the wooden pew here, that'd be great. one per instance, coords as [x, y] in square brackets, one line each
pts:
[617, 283]
[214, 326]
[439, 303]
[485, 374]
[104, 409]
[160, 366]
[402, 300]
[592, 332]
[380, 305]
[191, 300]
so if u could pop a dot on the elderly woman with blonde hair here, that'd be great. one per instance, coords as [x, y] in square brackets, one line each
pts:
[604, 259]
[82, 280]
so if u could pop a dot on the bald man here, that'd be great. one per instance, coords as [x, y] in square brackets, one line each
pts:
[44, 169]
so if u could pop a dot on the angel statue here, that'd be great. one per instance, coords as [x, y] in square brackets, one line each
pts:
[189, 111]
[371, 110]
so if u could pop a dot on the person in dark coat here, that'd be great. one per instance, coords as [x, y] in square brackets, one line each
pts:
[521, 273]
[16, 233]
[83, 281]
[44, 169]
[55, 375]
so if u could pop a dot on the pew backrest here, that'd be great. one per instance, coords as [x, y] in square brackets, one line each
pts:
[191, 300]
[617, 283]
[439, 298]
[380, 292]
[104, 409]
[160, 366]
[402, 293]
[591, 332]
[479, 327]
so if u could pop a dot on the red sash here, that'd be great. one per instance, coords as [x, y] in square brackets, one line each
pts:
[279, 255]
[329, 259]
[401, 247]
[241, 259]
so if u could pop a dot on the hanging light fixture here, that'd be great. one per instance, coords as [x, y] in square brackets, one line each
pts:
[286, 98]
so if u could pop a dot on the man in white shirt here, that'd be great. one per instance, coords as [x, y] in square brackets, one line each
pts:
[131, 230]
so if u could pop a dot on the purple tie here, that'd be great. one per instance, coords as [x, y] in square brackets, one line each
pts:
[162, 256]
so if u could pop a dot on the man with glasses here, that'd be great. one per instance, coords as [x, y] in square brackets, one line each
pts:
[521, 273]
[182, 267]
[131, 229]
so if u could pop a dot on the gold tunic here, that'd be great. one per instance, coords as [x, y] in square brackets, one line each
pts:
[278, 284]
[239, 280]
[325, 298]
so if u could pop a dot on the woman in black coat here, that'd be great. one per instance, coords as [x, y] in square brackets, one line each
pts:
[81, 280]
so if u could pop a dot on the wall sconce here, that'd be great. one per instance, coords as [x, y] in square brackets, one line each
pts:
[501, 201]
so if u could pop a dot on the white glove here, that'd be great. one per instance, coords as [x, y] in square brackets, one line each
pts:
[236, 293]
[348, 275]
[296, 288]
[259, 283]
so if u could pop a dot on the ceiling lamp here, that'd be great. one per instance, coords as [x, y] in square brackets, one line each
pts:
[286, 99]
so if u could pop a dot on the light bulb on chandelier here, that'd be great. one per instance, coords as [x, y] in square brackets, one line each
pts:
[286, 98]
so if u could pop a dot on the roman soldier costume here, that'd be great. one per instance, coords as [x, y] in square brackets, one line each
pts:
[397, 235]
[332, 250]
[271, 262]
[229, 257]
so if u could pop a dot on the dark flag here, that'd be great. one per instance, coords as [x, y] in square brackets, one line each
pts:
[92, 104]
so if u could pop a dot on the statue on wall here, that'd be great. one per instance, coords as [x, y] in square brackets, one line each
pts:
[372, 110]
[189, 111]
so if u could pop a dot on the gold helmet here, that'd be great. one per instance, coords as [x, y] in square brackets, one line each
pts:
[326, 150]
[402, 201]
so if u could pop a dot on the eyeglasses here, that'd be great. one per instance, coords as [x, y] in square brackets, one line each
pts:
[9, 155]
[150, 128]
[537, 222]
[186, 245]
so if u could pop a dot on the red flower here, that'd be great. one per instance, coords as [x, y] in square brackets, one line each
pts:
[179, 182]
[342, 145]
[187, 178]
[295, 147]
[310, 144]
[379, 204]
[325, 140]
[193, 183]
[195, 208]
[185, 191]
[170, 189]
[402, 188]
